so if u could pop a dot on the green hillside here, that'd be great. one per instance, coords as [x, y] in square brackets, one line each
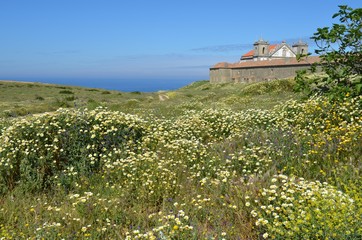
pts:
[21, 98]
[228, 161]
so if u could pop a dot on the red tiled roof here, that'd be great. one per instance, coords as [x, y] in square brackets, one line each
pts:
[267, 63]
[249, 54]
[221, 65]
[272, 47]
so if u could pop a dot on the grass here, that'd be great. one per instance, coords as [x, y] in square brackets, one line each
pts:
[206, 161]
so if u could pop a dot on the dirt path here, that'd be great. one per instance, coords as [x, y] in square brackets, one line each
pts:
[163, 97]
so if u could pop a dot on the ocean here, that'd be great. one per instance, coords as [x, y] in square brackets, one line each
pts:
[130, 85]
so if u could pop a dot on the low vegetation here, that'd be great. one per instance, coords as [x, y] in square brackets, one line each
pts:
[203, 162]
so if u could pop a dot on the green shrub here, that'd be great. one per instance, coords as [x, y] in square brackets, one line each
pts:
[132, 103]
[66, 92]
[63, 103]
[70, 98]
[282, 85]
[40, 98]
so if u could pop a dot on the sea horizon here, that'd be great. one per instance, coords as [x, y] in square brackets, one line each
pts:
[124, 85]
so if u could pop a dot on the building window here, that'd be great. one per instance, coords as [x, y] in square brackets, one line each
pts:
[263, 50]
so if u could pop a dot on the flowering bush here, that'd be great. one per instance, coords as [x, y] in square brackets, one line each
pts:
[61, 146]
[299, 209]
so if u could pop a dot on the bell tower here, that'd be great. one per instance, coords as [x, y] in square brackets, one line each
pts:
[261, 49]
[300, 47]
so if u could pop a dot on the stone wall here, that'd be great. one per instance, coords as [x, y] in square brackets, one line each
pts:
[220, 75]
[253, 74]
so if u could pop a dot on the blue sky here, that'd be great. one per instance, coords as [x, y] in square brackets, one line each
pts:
[115, 39]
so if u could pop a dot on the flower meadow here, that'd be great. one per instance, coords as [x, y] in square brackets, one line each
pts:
[291, 172]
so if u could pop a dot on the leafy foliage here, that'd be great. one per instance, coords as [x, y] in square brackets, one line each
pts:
[340, 47]
[346, 59]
